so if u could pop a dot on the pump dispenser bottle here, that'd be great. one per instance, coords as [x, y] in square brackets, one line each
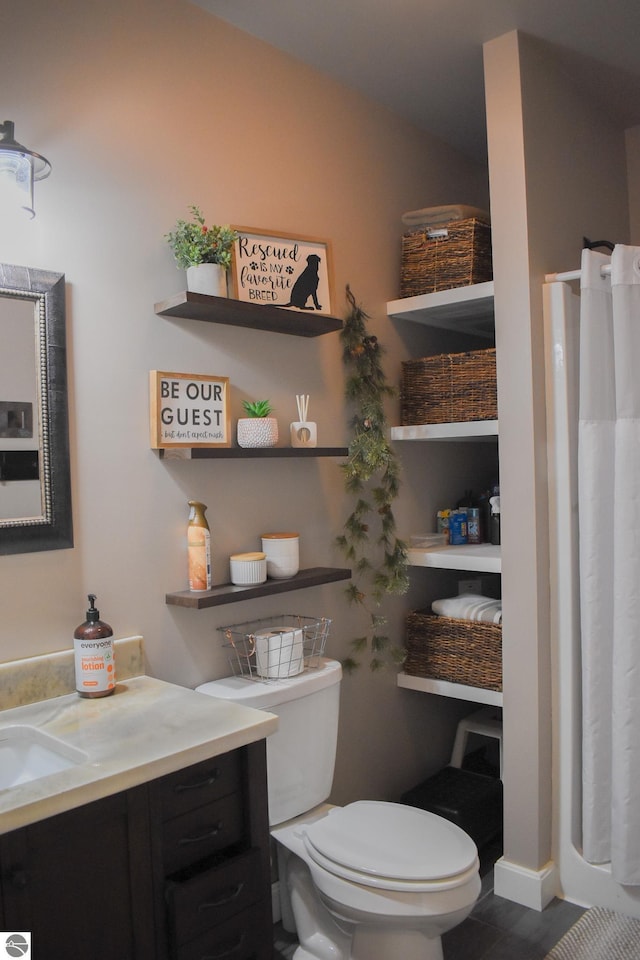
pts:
[93, 654]
[199, 548]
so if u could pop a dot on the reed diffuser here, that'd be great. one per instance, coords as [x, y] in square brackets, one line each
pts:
[304, 432]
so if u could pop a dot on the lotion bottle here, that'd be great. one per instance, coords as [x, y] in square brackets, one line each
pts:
[93, 655]
[198, 548]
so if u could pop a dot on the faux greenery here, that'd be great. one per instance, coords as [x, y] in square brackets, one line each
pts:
[371, 475]
[194, 242]
[257, 408]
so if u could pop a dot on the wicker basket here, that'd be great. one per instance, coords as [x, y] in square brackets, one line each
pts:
[449, 388]
[460, 651]
[452, 256]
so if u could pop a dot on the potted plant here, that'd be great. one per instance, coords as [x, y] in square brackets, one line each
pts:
[258, 428]
[204, 252]
[372, 477]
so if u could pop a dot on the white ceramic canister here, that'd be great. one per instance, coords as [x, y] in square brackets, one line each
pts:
[283, 554]
[248, 569]
[279, 652]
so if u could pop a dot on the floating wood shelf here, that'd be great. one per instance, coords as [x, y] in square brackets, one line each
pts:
[229, 593]
[255, 453]
[237, 313]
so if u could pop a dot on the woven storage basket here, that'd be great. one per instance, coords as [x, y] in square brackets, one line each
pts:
[455, 255]
[449, 388]
[460, 651]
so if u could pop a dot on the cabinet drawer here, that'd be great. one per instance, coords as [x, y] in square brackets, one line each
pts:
[214, 896]
[246, 936]
[197, 785]
[202, 832]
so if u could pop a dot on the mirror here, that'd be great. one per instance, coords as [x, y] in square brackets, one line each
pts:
[35, 484]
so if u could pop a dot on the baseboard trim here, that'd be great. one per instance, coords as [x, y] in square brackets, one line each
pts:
[531, 888]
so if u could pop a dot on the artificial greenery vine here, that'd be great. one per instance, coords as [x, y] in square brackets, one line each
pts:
[371, 475]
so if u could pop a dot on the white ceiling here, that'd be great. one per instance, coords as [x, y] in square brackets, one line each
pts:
[423, 58]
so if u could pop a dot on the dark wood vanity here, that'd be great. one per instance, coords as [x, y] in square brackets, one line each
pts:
[173, 869]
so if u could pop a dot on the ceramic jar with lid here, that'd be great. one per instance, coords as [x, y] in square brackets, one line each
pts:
[248, 569]
[283, 554]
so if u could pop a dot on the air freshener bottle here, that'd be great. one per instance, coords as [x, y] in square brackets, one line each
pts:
[198, 548]
[93, 655]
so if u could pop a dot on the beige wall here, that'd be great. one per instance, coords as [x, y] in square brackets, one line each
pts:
[143, 108]
[558, 172]
[633, 178]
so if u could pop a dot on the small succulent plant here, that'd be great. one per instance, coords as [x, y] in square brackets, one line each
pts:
[257, 408]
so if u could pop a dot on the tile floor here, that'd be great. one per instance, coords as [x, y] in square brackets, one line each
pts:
[496, 929]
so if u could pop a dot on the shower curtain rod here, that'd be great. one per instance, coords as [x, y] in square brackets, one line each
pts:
[574, 274]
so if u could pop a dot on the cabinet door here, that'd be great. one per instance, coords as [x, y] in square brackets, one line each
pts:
[80, 881]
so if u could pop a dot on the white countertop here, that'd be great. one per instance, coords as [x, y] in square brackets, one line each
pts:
[148, 728]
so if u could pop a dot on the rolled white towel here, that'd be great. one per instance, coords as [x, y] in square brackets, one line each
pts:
[469, 606]
[435, 216]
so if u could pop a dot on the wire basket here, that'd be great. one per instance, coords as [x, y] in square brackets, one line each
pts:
[277, 647]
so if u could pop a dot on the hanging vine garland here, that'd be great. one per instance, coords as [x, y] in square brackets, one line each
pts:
[371, 475]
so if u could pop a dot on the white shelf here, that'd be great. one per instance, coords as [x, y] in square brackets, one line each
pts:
[463, 309]
[443, 688]
[468, 430]
[478, 558]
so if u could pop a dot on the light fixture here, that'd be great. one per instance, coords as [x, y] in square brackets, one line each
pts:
[20, 167]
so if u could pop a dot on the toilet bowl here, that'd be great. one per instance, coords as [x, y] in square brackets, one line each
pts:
[379, 880]
[368, 881]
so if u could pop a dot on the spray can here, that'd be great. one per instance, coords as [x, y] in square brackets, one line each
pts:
[93, 655]
[198, 548]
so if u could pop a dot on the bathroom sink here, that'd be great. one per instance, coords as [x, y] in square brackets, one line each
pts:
[27, 753]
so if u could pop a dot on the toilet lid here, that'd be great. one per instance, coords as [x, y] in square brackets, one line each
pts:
[389, 844]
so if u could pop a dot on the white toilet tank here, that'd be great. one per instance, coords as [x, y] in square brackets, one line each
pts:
[301, 754]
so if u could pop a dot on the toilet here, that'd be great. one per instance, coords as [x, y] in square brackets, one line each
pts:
[371, 880]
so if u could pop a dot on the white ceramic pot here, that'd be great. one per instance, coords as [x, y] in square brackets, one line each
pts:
[209, 278]
[282, 551]
[257, 432]
[248, 569]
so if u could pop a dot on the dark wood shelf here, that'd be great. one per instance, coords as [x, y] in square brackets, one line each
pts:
[253, 453]
[229, 593]
[237, 313]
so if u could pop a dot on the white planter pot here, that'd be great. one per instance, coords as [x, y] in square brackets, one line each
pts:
[209, 278]
[257, 432]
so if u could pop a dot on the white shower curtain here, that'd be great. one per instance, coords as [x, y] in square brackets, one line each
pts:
[609, 521]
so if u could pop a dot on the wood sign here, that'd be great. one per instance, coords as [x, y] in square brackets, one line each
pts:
[291, 272]
[189, 410]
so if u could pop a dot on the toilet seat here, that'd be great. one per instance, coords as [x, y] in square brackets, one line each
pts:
[392, 846]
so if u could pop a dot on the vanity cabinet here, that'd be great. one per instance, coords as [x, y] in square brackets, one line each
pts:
[210, 850]
[176, 869]
[80, 881]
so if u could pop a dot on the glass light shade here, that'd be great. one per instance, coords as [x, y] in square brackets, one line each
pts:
[19, 169]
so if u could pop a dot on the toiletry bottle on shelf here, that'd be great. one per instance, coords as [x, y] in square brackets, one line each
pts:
[199, 548]
[495, 519]
[93, 655]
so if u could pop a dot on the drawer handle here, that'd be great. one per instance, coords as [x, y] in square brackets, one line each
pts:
[207, 782]
[225, 898]
[209, 835]
[225, 952]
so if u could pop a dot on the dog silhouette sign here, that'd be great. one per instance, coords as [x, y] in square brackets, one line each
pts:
[282, 271]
